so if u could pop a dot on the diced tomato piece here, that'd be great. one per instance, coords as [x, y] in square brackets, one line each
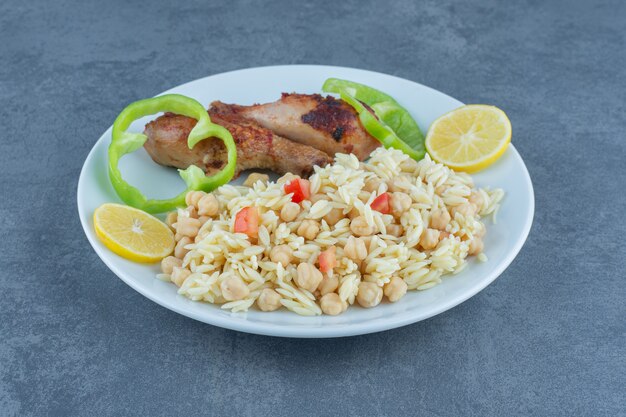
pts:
[247, 221]
[300, 188]
[382, 203]
[327, 259]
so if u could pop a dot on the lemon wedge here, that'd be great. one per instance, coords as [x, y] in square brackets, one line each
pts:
[132, 233]
[469, 138]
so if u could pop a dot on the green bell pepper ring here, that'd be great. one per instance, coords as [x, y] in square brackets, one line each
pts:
[386, 108]
[123, 142]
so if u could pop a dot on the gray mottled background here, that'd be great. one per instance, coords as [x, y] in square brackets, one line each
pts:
[547, 338]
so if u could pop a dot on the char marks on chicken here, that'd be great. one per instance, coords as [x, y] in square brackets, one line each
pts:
[325, 123]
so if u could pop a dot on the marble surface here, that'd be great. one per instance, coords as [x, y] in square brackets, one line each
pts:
[547, 338]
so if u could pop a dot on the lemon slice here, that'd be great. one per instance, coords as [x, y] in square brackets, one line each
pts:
[133, 234]
[469, 138]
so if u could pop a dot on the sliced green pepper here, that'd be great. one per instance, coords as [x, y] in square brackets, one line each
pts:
[379, 130]
[388, 111]
[124, 142]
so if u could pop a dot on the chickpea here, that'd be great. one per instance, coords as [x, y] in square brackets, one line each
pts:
[439, 219]
[409, 165]
[254, 177]
[331, 304]
[477, 199]
[334, 216]
[308, 276]
[429, 239]
[308, 229]
[394, 229]
[171, 218]
[168, 264]
[203, 219]
[400, 202]
[317, 197]
[289, 211]
[187, 226]
[286, 178]
[369, 294]
[208, 206]
[476, 246]
[269, 300]
[360, 227]
[395, 289]
[192, 197]
[354, 212]
[328, 285]
[179, 250]
[466, 209]
[233, 288]
[372, 185]
[355, 249]
[281, 254]
[397, 184]
[179, 275]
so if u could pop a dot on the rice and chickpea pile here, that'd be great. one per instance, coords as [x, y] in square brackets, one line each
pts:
[367, 230]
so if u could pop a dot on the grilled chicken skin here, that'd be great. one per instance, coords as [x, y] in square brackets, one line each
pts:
[324, 123]
[257, 147]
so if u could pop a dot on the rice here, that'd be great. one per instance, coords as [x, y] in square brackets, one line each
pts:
[218, 254]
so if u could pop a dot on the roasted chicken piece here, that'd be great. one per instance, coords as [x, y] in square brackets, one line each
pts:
[325, 123]
[257, 147]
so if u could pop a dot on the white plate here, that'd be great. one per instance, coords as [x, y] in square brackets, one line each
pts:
[257, 85]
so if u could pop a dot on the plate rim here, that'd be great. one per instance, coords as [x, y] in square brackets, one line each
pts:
[331, 331]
